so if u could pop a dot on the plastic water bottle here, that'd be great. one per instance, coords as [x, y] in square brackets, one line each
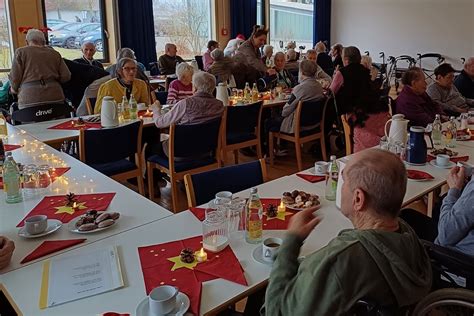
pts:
[253, 218]
[451, 133]
[133, 107]
[254, 93]
[331, 179]
[11, 180]
[436, 132]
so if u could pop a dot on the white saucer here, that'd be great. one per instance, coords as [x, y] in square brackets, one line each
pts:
[182, 305]
[448, 166]
[53, 225]
[257, 255]
[313, 171]
[71, 226]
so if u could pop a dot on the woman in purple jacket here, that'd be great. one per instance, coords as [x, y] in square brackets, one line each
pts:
[413, 101]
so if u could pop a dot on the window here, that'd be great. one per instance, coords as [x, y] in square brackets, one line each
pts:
[74, 22]
[291, 21]
[186, 23]
[5, 41]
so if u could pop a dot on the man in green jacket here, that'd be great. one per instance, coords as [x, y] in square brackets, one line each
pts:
[381, 259]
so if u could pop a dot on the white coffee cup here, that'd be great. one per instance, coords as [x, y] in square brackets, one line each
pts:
[442, 160]
[467, 168]
[270, 248]
[321, 167]
[141, 107]
[162, 299]
[36, 224]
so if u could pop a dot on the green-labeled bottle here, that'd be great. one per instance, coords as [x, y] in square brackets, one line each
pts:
[133, 107]
[11, 180]
[253, 218]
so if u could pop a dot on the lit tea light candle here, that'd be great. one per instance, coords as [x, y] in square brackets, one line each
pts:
[281, 207]
[74, 206]
[201, 255]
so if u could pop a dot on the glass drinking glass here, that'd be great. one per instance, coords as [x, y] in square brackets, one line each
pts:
[214, 230]
[44, 177]
[384, 144]
[235, 215]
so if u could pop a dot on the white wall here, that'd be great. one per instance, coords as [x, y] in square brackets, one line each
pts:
[406, 27]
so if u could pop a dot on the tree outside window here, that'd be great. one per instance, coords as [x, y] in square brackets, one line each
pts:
[185, 23]
[5, 41]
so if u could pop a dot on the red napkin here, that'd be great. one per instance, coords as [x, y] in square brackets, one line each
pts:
[51, 246]
[269, 223]
[54, 206]
[311, 178]
[156, 268]
[418, 175]
[9, 147]
[56, 174]
[453, 159]
[71, 125]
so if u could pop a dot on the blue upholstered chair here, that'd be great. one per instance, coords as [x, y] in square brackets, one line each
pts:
[241, 129]
[161, 96]
[40, 113]
[200, 141]
[109, 151]
[202, 187]
[199, 62]
[308, 113]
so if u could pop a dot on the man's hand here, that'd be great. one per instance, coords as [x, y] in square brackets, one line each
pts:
[271, 72]
[6, 251]
[303, 222]
[456, 178]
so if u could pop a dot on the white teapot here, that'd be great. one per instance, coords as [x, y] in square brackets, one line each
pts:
[109, 113]
[222, 93]
[398, 129]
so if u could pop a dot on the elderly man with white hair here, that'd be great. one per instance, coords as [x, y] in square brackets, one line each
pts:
[88, 50]
[199, 108]
[168, 61]
[464, 82]
[380, 259]
[292, 61]
[37, 73]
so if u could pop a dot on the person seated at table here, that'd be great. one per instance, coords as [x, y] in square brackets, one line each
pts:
[309, 89]
[90, 93]
[292, 64]
[207, 59]
[366, 61]
[6, 251]
[445, 93]
[128, 53]
[88, 50]
[249, 59]
[233, 45]
[284, 78]
[182, 87]
[320, 74]
[267, 55]
[222, 67]
[125, 84]
[37, 73]
[323, 59]
[414, 102]
[464, 82]
[380, 259]
[199, 108]
[168, 61]
[456, 220]
[336, 56]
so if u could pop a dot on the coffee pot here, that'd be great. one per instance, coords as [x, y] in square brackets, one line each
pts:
[417, 149]
[109, 113]
[222, 93]
[398, 129]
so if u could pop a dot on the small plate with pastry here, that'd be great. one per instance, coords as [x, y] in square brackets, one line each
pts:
[93, 222]
[299, 200]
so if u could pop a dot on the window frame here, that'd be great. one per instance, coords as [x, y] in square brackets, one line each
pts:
[10, 35]
[103, 22]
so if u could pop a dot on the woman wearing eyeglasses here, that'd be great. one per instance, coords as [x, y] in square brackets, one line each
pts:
[125, 84]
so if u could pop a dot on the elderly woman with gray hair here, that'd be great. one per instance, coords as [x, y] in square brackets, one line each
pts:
[223, 67]
[37, 73]
[125, 84]
[182, 87]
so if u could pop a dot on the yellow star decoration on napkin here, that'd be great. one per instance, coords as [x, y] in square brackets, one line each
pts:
[280, 215]
[69, 209]
[178, 264]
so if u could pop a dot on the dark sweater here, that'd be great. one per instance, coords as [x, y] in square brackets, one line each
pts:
[356, 92]
[167, 64]
[419, 109]
[465, 85]
[325, 62]
[94, 62]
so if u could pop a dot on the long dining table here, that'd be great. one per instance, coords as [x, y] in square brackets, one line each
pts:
[145, 223]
